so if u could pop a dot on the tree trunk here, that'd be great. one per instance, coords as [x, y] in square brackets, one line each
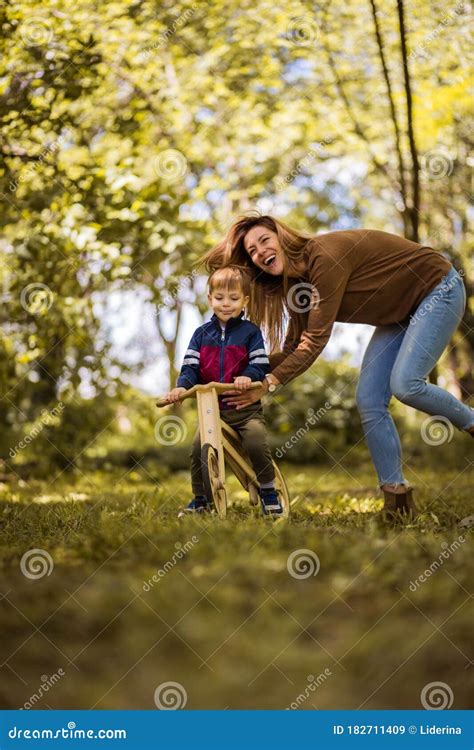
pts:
[414, 209]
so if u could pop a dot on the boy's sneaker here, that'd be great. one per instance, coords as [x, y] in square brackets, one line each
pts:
[270, 502]
[198, 504]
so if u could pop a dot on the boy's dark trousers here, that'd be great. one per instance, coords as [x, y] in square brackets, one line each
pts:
[250, 424]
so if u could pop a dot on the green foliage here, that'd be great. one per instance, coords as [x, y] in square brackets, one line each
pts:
[315, 416]
[133, 134]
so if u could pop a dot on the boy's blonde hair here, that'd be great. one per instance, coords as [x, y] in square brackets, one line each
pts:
[230, 278]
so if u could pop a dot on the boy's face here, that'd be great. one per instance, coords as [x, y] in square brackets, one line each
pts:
[227, 303]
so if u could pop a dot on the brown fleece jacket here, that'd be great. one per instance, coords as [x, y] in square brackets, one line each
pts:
[360, 276]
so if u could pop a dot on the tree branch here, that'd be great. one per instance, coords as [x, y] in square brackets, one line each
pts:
[380, 166]
[398, 146]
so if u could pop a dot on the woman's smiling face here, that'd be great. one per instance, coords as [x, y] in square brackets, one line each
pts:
[264, 249]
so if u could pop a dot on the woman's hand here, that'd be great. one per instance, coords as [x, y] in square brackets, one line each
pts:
[239, 400]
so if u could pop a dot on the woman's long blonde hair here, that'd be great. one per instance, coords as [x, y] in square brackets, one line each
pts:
[268, 299]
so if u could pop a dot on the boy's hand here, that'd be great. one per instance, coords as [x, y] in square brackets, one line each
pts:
[175, 394]
[242, 383]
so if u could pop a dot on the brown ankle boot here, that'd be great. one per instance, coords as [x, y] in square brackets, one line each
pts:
[399, 504]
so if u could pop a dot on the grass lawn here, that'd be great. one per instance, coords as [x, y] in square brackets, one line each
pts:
[223, 616]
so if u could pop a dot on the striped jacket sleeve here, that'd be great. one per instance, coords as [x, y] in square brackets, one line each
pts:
[189, 374]
[259, 364]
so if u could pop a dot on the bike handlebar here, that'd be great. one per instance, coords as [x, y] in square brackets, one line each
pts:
[219, 387]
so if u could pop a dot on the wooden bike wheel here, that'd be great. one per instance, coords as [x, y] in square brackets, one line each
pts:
[213, 484]
[246, 475]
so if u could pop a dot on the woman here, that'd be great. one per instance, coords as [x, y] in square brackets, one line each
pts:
[411, 293]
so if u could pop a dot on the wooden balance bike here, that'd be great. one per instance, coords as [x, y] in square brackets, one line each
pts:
[221, 444]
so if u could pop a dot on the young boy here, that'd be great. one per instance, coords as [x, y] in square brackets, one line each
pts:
[229, 348]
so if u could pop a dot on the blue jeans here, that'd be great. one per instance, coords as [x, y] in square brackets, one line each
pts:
[397, 362]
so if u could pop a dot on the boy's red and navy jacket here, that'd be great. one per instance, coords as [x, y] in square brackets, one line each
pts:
[215, 354]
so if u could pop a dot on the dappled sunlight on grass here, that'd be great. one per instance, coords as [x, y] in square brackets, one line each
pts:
[218, 585]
